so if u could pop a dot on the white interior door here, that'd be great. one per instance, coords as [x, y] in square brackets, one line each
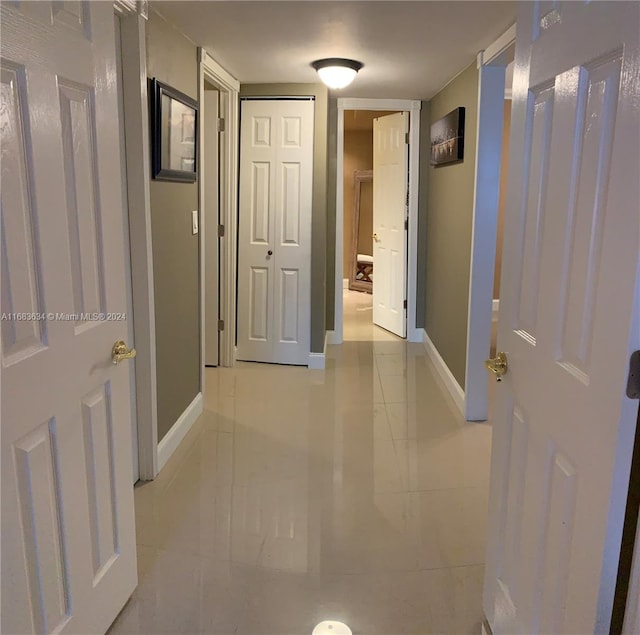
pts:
[390, 183]
[274, 254]
[211, 166]
[569, 319]
[68, 536]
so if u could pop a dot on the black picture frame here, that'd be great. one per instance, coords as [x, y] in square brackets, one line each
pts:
[447, 138]
[174, 134]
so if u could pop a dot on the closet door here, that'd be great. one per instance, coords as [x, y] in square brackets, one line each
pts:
[274, 254]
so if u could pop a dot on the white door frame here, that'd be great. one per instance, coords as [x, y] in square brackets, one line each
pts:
[492, 65]
[229, 89]
[136, 126]
[411, 106]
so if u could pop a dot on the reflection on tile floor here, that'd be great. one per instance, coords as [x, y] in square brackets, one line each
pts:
[356, 493]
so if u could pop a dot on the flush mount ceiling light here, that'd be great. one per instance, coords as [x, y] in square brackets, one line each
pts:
[331, 627]
[337, 72]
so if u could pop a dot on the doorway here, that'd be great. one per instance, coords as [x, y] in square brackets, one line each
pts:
[210, 205]
[502, 201]
[343, 249]
[218, 140]
[358, 221]
[482, 318]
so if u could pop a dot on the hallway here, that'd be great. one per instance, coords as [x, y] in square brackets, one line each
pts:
[356, 493]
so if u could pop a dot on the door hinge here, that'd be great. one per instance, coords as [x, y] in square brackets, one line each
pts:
[404, 304]
[220, 231]
[633, 381]
[221, 325]
[406, 138]
[406, 223]
[220, 124]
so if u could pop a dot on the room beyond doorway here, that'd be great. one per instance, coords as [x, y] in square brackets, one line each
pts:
[411, 110]
[358, 198]
[375, 214]
[357, 320]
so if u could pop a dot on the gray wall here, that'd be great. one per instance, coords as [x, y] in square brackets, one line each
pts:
[449, 214]
[425, 168]
[332, 160]
[319, 251]
[171, 58]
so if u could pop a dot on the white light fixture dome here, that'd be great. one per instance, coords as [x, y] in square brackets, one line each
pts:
[331, 627]
[337, 72]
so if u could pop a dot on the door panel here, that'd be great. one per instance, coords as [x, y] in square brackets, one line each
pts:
[289, 295]
[259, 304]
[276, 169]
[37, 464]
[21, 269]
[290, 195]
[68, 537]
[81, 179]
[563, 428]
[260, 203]
[390, 182]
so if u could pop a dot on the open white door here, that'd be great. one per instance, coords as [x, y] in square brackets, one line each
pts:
[390, 203]
[274, 251]
[68, 536]
[569, 319]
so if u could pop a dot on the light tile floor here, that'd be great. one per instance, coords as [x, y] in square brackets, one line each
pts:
[355, 493]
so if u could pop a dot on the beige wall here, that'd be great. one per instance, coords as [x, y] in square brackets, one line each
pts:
[172, 59]
[424, 171]
[506, 131]
[332, 156]
[449, 215]
[358, 155]
[319, 251]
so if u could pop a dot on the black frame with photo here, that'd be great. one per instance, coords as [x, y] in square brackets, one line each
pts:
[447, 138]
[189, 134]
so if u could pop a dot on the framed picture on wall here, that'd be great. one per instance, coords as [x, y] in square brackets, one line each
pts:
[174, 134]
[447, 138]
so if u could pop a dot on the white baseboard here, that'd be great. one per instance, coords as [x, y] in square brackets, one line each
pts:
[178, 430]
[330, 339]
[345, 283]
[316, 361]
[450, 382]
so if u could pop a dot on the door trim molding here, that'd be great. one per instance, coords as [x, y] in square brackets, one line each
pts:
[492, 65]
[136, 126]
[229, 89]
[412, 106]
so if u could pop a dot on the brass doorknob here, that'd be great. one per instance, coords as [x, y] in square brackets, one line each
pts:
[497, 365]
[121, 351]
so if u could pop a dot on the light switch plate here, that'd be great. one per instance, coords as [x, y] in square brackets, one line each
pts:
[194, 221]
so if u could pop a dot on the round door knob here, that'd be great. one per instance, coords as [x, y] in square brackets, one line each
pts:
[269, 253]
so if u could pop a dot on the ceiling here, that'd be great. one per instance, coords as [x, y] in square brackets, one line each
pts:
[410, 49]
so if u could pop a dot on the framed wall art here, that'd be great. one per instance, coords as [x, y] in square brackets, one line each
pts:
[447, 138]
[174, 133]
